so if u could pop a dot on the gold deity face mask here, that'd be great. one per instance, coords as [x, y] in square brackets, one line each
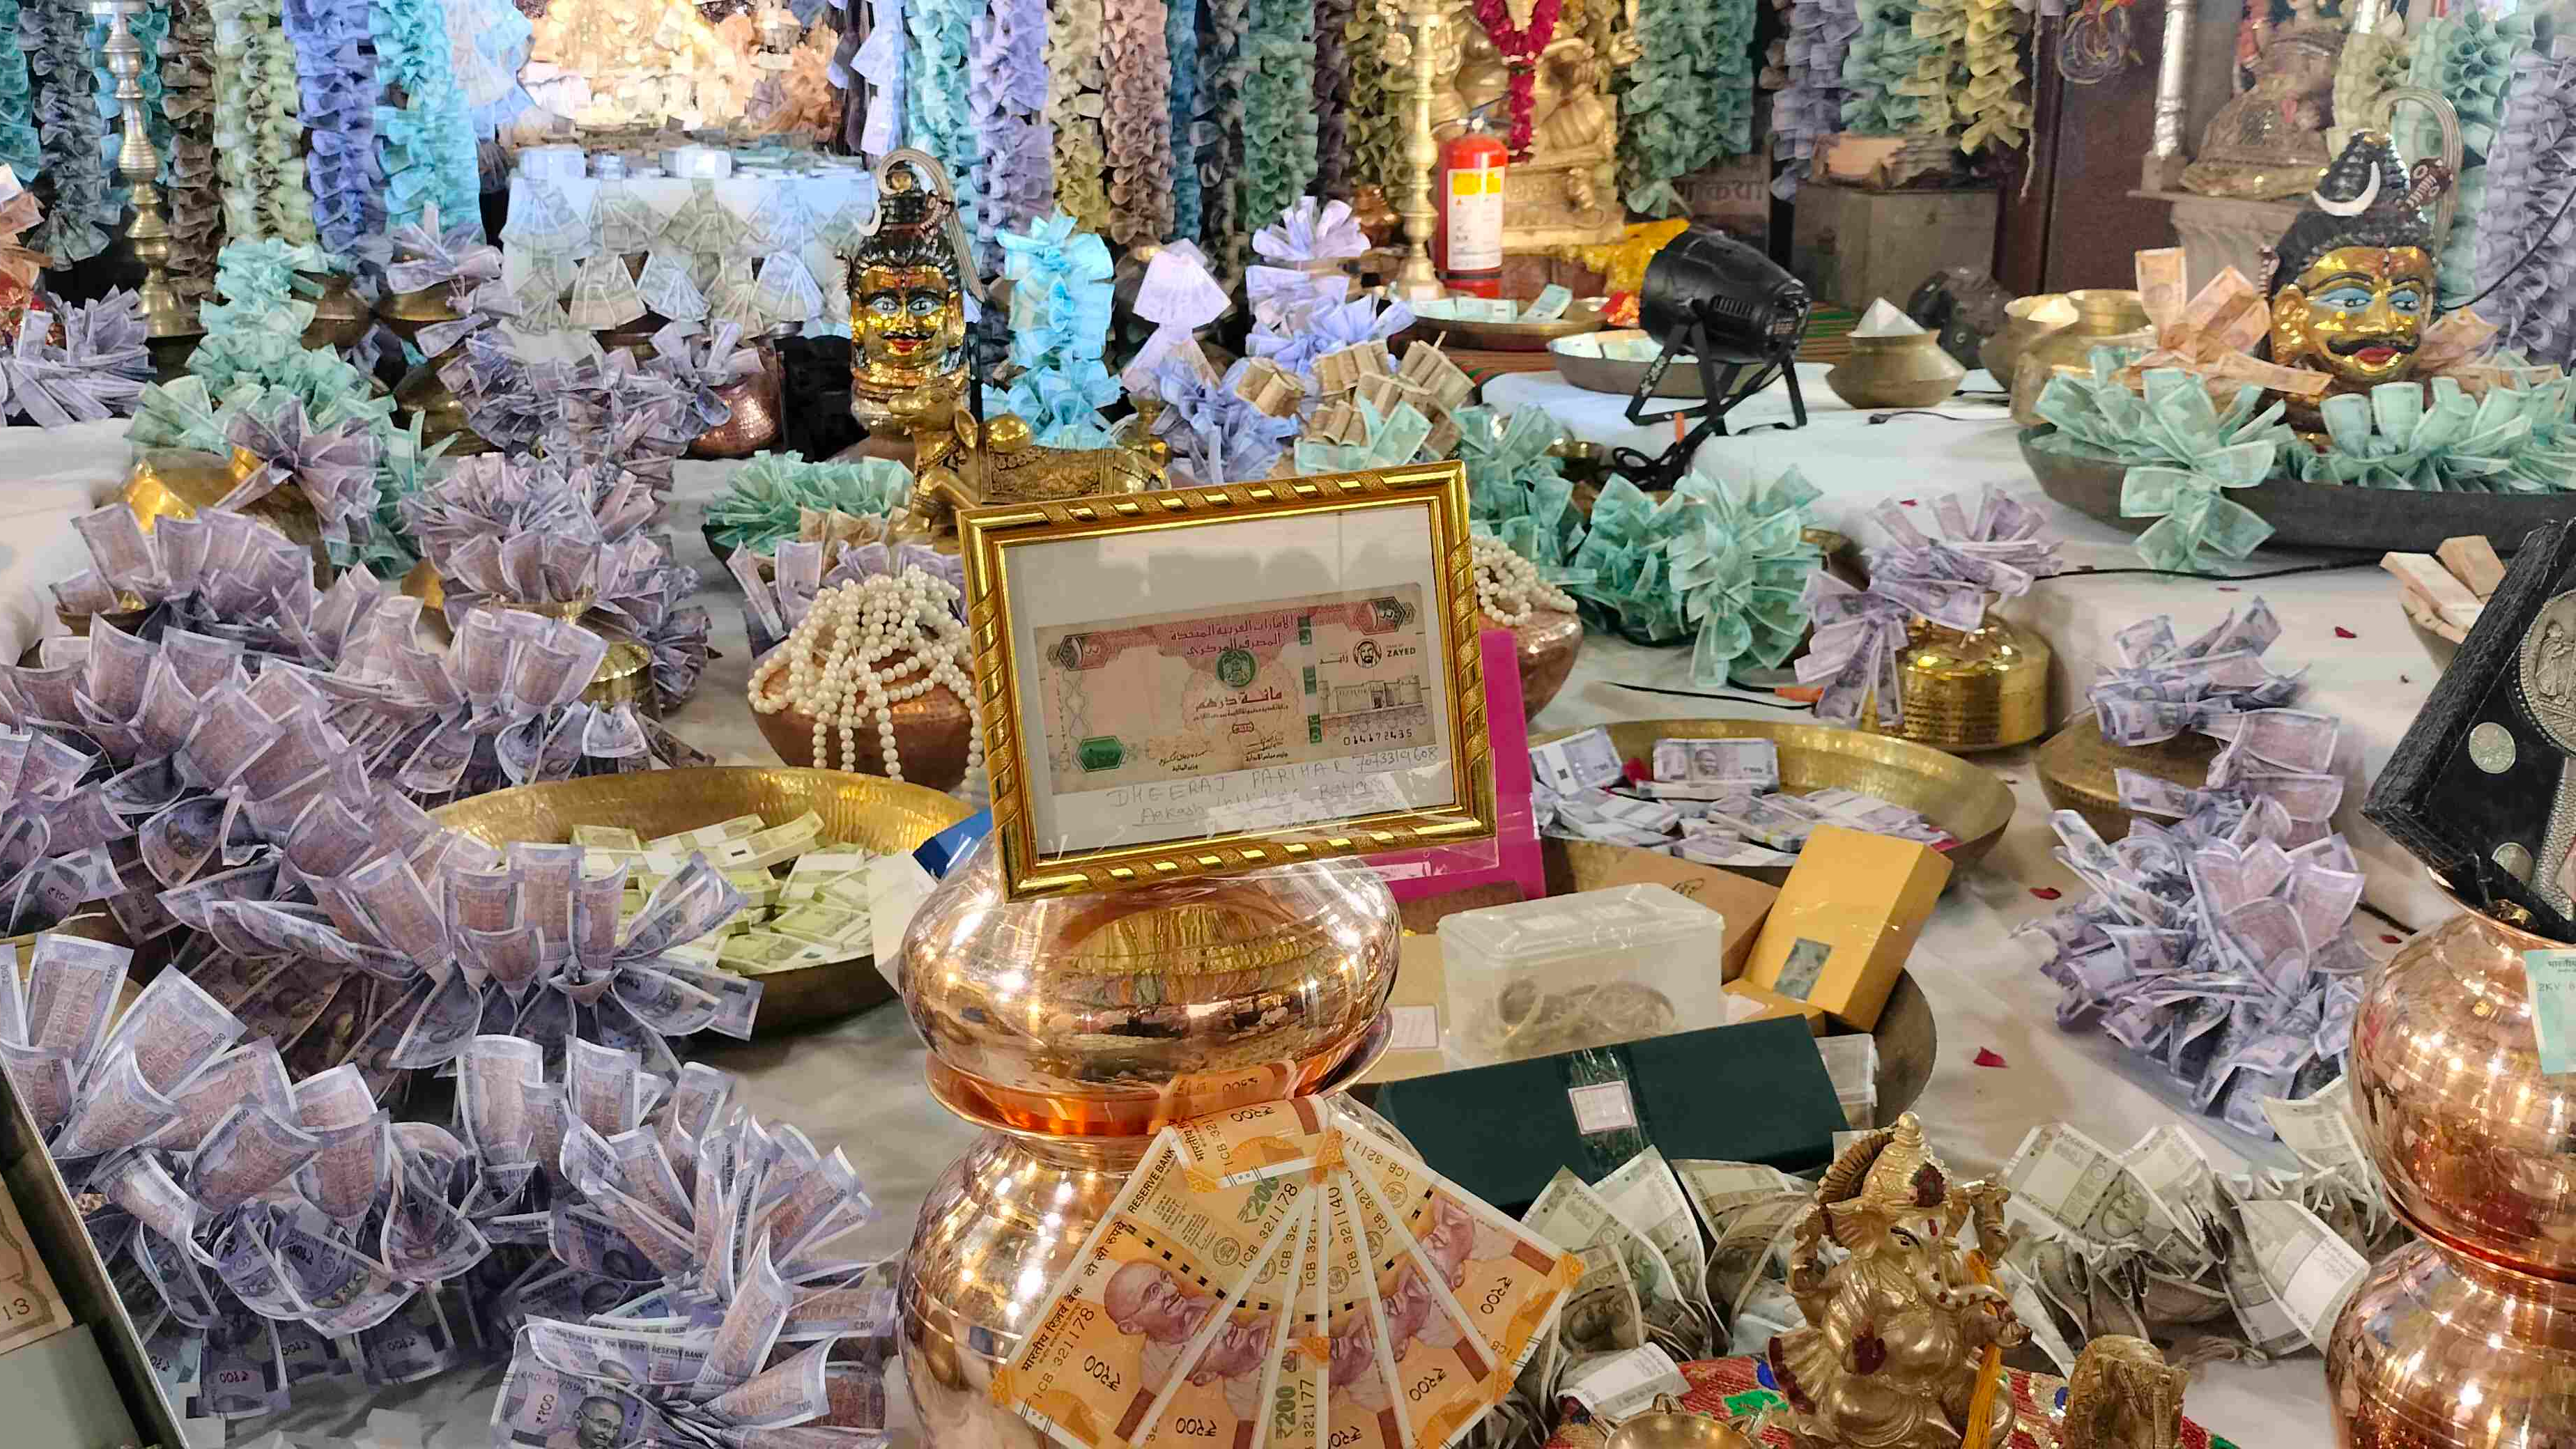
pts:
[2357, 312]
[908, 317]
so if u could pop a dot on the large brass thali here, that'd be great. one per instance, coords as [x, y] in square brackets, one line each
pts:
[872, 814]
[1970, 802]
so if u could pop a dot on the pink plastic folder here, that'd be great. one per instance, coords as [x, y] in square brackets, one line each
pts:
[1512, 855]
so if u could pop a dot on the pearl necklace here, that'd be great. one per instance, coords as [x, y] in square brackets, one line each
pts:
[841, 665]
[1508, 587]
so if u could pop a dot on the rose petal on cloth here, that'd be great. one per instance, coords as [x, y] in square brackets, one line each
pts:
[1987, 1056]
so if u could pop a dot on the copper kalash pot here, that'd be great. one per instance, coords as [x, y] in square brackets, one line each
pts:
[2466, 1336]
[1071, 1028]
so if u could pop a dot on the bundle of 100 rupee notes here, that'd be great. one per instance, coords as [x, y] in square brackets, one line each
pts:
[1279, 1277]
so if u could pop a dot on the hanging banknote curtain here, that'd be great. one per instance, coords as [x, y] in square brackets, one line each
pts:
[1181, 40]
[2526, 244]
[1810, 106]
[1880, 70]
[20, 149]
[1006, 91]
[189, 193]
[338, 85]
[1224, 59]
[71, 130]
[1376, 129]
[1138, 121]
[1333, 96]
[2467, 58]
[1279, 125]
[1688, 98]
[1994, 104]
[936, 118]
[257, 126]
[1076, 82]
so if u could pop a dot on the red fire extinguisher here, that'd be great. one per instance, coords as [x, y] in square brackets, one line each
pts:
[1468, 247]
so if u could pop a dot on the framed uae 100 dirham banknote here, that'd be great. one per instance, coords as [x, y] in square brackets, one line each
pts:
[1211, 680]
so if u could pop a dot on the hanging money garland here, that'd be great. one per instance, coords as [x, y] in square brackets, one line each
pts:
[1809, 106]
[2467, 59]
[1007, 91]
[2526, 247]
[1181, 40]
[1075, 81]
[189, 190]
[1061, 284]
[1994, 104]
[1372, 121]
[936, 117]
[257, 125]
[338, 93]
[879, 61]
[84, 206]
[429, 146]
[20, 149]
[1138, 122]
[1880, 71]
[1333, 96]
[1224, 63]
[1279, 123]
[1688, 98]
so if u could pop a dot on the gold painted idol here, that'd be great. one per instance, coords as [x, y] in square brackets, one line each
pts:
[2351, 282]
[908, 302]
[1565, 192]
[2270, 141]
[1897, 1331]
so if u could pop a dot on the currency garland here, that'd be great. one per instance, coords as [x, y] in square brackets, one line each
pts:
[2467, 59]
[1075, 81]
[936, 119]
[642, 1247]
[1688, 98]
[85, 204]
[1138, 120]
[338, 85]
[1882, 67]
[1181, 39]
[189, 193]
[1006, 92]
[765, 501]
[256, 116]
[1720, 560]
[2183, 454]
[1060, 309]
[1861, 634]
[2220, 947]
[91, 362]
[1279, 124]
[1994, 103]
[1333, 96]
[1517, 490]
[20, 150]
[1371, 118]
[2533, 163]
[429, 143]
[1809, 107]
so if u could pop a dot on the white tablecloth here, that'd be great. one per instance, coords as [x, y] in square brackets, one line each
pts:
[857, 1085]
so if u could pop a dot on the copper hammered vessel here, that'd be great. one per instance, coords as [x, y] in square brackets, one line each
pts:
[1071, 1028]
[1548, 642]
[2466, 1337]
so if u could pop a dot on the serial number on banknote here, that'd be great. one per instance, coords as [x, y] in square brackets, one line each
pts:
[1187, 695]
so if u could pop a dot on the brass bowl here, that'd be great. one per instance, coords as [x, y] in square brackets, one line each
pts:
[424, 394]
[932, 733]
[1981, 690]
[128, 615]
[181, 483]
[1670, 1426]
[1103, 1014]
[1964, 799]
[1895, 372]
[2079, 770]
[1595, 373]
[1548, 642]
[2104, 317]
[407, 313]
[873, 814]
[2026, 320]
[340, 318]
[624, 676]
[1583, 316]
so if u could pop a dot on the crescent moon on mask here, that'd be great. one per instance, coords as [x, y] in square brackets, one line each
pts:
[2354, 207]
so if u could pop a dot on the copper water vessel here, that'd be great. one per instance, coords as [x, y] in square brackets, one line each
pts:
[1548, 642]
[2466, 1337]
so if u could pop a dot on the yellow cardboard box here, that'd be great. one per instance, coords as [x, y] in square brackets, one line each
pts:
[1846, 920]
[31, 1308]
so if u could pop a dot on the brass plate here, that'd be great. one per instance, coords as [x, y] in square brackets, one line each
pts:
[1621, 375]
[1968, 801]
[1580, 318]
[861, 810]
[2079, 770]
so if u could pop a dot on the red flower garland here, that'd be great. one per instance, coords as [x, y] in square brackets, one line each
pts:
[1520, 49]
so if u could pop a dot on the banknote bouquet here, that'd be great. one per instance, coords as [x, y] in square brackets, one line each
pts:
[542, 531]
[265, 1231]
[1284, 1271]
[776, 598]
[1861, 634]
[1721, 561]
[2219, 946]
[2157, 688]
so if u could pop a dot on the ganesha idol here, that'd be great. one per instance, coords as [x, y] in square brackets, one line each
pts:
[1565, 190]
[909, 372]
[2351, 282]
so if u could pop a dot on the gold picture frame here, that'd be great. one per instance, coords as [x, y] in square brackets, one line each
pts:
[1256, 532]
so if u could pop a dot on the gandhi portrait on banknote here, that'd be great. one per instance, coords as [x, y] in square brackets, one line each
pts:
[599, 1423]
[1145, 1298]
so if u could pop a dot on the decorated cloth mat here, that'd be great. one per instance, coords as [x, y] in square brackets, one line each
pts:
[1828, 334]
[1735, 1388]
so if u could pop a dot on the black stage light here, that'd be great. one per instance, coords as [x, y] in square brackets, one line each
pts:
[1712, 298]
